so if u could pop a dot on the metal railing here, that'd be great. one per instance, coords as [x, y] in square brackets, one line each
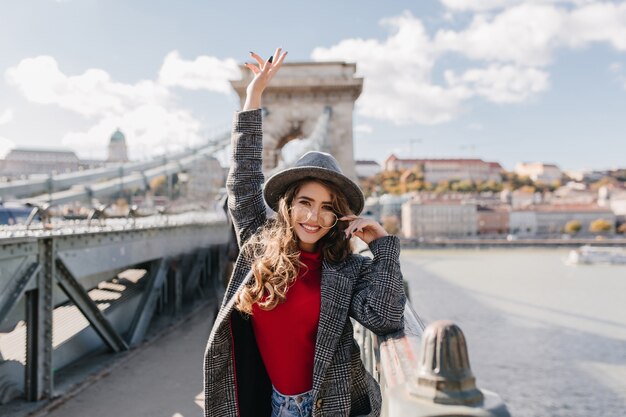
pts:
[424, 371]
[70, 292]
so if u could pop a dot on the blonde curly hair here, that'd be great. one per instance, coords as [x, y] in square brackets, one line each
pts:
[276, 252]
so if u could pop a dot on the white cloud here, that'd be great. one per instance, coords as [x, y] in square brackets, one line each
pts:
[397, 72]
[92, 93]
[5, 146]
[363, 128]
[526, 35]
[204, 73]
[6, 116]
[146, 111]
[150, 130]
[487, 5]
[475, 126]
[502, 83]
[597, 22]
[511, 43]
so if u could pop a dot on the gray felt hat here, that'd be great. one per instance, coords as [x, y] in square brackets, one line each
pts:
[315, 165]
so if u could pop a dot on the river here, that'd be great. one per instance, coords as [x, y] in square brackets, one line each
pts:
[549, 338]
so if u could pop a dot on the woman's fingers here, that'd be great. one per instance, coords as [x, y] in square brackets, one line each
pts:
[357, 224]
[349, 217]
[281, 58]
[278, 61]
[258, 59]
[255, 70]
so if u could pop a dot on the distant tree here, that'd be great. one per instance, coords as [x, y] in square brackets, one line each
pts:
[410, 179]
[464, 186]
[572, 227]
[600, 226]
[527, 189]
[602, 182]
[622, 229]
[442, 186]
[490, 185]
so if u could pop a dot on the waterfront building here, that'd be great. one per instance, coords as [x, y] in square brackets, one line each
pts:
[545, 220]
[613, 198]
[539, 171]
[523, 222]
[493, 220]
[437, 170]
[391, 206]
[439, 218]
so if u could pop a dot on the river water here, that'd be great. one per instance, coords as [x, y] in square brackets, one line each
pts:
[549, 338]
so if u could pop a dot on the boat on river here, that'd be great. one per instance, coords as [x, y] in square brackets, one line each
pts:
[597, 255]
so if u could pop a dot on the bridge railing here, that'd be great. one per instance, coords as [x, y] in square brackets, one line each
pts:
[423, 371]
[73, 292]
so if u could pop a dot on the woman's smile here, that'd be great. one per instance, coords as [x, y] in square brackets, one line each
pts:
[310, 229]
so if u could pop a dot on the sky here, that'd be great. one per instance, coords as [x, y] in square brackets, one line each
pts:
[502, 80]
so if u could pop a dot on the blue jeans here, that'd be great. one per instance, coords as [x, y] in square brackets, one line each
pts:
[300, 405]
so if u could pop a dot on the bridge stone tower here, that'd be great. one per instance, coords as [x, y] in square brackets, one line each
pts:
[299, 97]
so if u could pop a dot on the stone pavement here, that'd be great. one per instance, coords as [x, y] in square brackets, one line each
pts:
[163, 379]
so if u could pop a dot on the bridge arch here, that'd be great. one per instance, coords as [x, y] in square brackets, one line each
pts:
[304, 98]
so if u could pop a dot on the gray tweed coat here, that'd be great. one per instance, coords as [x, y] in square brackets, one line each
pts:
[368, 290]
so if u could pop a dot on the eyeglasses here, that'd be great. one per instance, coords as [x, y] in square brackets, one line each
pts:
[302, 214]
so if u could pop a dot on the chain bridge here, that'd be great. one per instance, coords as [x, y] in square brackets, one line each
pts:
[77, 295]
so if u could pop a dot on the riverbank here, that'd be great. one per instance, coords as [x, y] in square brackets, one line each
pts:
[441, 243]
[549, 338]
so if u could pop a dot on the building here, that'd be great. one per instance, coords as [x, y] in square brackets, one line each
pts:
[21, 162]
[523, 222]
[439, 218]
[118, 151]
[437, 170]
[492, 220]
[366, 168]
[521, 198]
[539, 171]
[546, 220]
[25, 161]
[572, 193]
[613, 198]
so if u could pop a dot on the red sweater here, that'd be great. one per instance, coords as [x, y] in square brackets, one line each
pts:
[286, 334]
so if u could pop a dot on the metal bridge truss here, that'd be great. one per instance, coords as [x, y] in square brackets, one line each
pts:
[67, 295]
[103, 182]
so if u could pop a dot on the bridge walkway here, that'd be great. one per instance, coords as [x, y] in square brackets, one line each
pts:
[160, 379]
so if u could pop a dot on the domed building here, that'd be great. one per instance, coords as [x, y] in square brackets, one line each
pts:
[117, 148]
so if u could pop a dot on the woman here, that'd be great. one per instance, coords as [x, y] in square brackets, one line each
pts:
[282, 343]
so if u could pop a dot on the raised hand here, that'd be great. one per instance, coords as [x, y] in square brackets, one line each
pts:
[263, 73]
[363, 228]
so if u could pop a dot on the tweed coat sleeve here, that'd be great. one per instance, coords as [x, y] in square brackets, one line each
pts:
[378, 297]
[245, 177]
